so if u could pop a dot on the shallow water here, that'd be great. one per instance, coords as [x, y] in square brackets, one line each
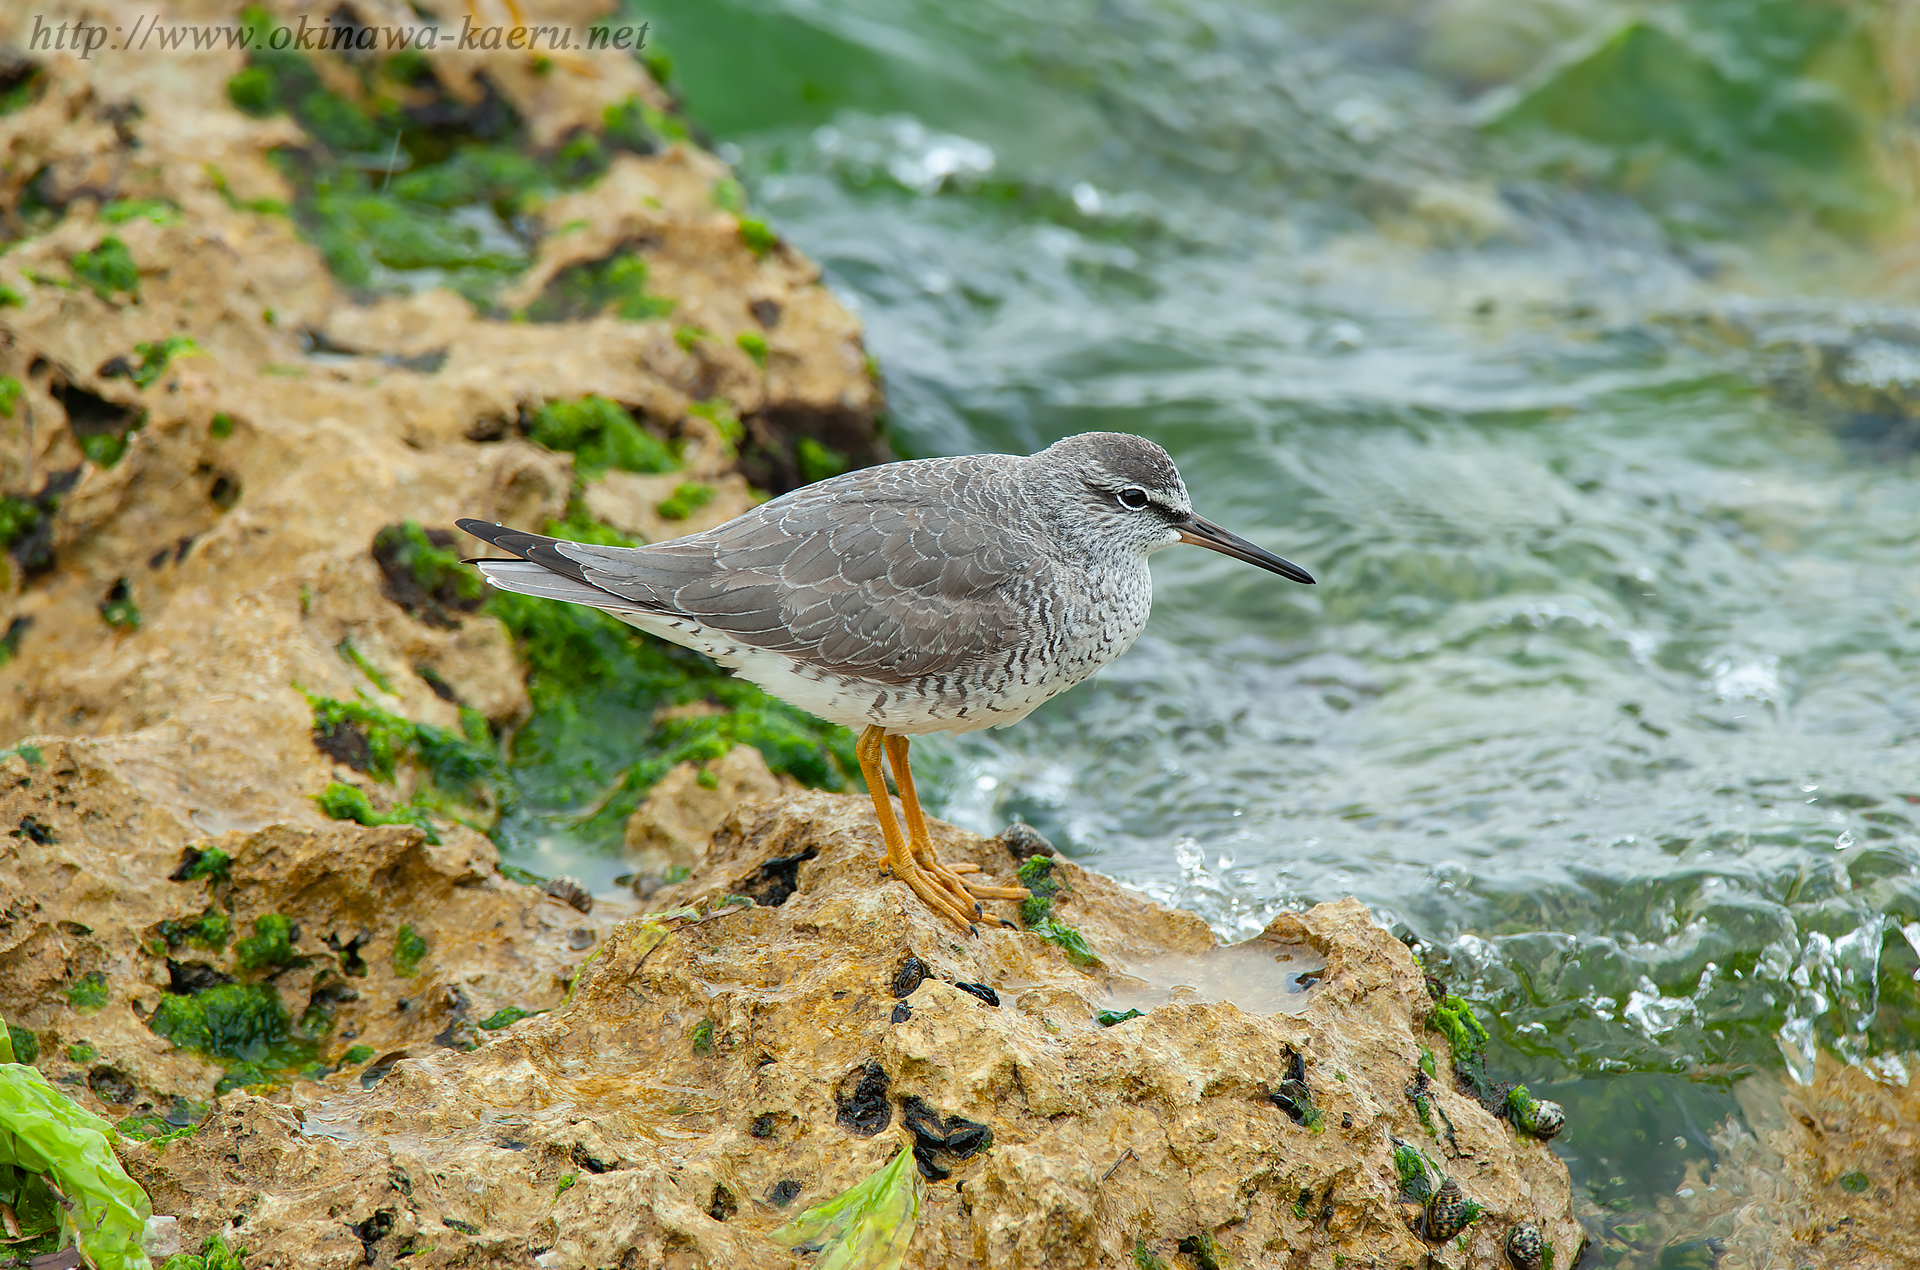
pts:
[1607, 690]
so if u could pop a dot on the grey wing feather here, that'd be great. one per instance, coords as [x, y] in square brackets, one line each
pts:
[529, 578]
[857, 575]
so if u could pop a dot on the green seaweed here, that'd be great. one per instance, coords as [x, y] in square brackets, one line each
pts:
[758, 238]
[161, 211]
[220, 427]
[24, 90]
[58, 1172]
[1855, 1183]
[1145, 1260]
[352, 655]
[88, 993]
[725, 419]
[1454, 1019]
[243, 1026]
[211, 930]
[455, 765]
[9, 298]
[754, 345]
[506, 1016]
[209, 863]
[702, 1037]
[17, 516]
[155, 354]
[81, 1053]
[817, 462]
[108, 269]
[344, 802]
[1207, 1251]
[1416, 1173]
[616, 284]
[104, 449]
[25, 1046]
[409, 949]
[868, 1226]
[1068, 939]
[686, 499]
[10, 390]
[270, 945]
[215, 1254]
[438, 570]
[359, 1054]
[1108, 1018]
[600, 435]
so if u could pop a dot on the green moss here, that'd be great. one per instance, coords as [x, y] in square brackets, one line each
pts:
[600, 435]
[10, 390]
[1107, 1018]
[759, 239]
[359, 1054]
[686, 499]
[214, 1254]
[81, 1053]
[108, 269]
[408, 950]
[221, 426]
[161, 211]
[155, 355]
[702, 1037]
[506, 1016]
[816, 462]
[270, 945]
[616, 285]
[26, 1046]
[88, 994]
[753, 345]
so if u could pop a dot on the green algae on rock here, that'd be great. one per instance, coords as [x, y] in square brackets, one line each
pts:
[600, 435]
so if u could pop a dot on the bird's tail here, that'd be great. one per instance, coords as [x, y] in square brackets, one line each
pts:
[543, 571]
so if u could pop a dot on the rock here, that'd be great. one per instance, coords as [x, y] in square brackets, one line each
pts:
[118, 916]
[671, 829]
[718, 1068]
[1818, 1174]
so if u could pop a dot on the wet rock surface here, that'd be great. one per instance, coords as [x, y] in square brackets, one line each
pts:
[721, 1065]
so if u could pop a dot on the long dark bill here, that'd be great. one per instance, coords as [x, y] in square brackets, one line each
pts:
[1202, 532]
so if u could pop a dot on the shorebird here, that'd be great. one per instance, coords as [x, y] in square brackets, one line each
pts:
[934, 595]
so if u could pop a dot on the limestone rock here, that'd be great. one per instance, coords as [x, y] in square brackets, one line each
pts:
[718, 1069]
[99, 925]
[673, 826]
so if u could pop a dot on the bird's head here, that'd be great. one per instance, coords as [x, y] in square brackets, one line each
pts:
[1125, 494]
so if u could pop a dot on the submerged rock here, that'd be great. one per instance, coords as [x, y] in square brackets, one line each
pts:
[722, 1065]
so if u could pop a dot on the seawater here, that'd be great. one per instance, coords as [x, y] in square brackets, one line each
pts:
[1607, 694]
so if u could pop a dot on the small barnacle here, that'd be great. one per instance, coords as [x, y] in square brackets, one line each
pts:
[1448, 1212]
[1535, 1116]
[1526, 1249]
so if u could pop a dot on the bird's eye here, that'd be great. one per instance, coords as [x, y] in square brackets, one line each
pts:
[1133, 498]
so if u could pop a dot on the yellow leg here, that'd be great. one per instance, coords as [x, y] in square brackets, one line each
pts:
[899, 858]
[922, 841]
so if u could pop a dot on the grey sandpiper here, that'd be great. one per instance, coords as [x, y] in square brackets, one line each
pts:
[934, 595]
